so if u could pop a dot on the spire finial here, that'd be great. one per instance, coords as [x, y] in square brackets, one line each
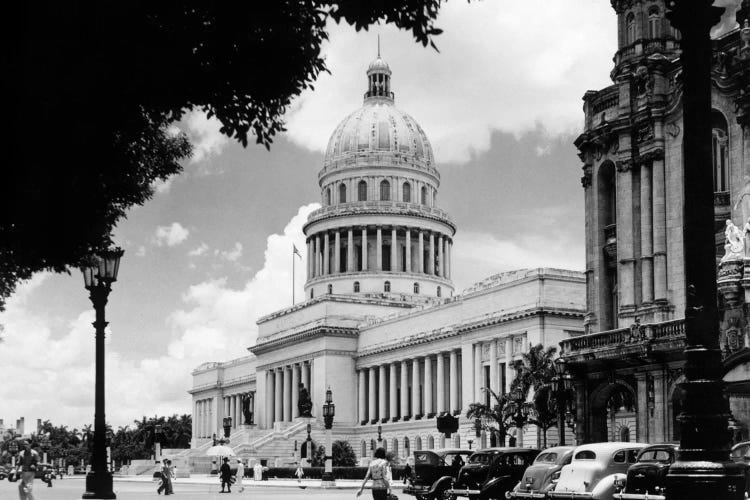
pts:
[378, 44]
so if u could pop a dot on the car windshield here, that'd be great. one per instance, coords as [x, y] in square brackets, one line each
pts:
[585, 455]
[480, 458]
[454, 459]
[549, 458]
[655, 456]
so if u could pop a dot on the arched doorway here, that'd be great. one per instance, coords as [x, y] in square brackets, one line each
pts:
[394, 443]
[417, 443]
[304, 452]
[363, 449]
[613, 406]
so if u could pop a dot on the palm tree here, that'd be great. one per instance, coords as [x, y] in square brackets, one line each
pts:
[493, 418]
[536, 371]
[545, 414]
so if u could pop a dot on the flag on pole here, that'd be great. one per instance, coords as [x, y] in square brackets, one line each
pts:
[294, 250]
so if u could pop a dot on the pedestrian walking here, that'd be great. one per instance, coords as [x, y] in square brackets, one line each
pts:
[378, 472]
[258, 472]
[407, 473]
[165, 484]
[299, 472]
[27, 463]
[240, 474]
[225, 472]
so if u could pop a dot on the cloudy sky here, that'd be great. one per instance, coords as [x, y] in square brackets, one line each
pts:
[211, 252]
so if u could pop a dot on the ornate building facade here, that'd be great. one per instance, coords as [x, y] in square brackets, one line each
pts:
[381, 324]
[629, 364]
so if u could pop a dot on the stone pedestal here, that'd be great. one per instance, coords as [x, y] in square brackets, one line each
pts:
[730, 281]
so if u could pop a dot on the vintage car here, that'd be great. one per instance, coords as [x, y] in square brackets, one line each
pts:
[593, 471]
[491, 472]
[434, 471]
[647, 477]
[741, 452]
[542, 475]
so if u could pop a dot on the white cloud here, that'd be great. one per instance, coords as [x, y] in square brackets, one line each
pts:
[170, 235]
[477, 255]
[507, 66]
[199, 250]
[162, 187]
[205, 135]
[52, 376]
[234, 254]
[141, 251]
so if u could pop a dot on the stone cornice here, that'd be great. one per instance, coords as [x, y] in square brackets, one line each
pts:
[427, 337]
[307, 357]
[387, 208]
[308, 334]
[363, 298]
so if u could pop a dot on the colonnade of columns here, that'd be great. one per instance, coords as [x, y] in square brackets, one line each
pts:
[355, 249]
[205, 418]
[348, 190]
[427, 386]
[282, 390]
[208, 413]
[653, 235]
[411, 389]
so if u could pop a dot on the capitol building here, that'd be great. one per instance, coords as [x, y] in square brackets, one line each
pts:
[382, 324]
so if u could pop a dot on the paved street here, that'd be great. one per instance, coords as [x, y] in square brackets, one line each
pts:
[71, 489]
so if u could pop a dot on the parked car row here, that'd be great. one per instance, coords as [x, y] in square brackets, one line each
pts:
[597, 471]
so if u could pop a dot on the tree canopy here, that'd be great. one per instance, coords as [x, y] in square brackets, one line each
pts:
[93, 86]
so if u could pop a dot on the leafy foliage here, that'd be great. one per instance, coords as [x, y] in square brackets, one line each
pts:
[93, 87]
[493, 417]
[343, 454]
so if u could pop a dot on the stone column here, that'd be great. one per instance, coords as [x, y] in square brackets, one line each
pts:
[660, 406]
[626, 264]
[647, 248]
[350, 251]
[364, 248]
[420, 257]
[337, 252]
[372, 410]
[232, 405]
[295, 391]
[441, 257]
[454, 405]
[306, 376]
[416, 401]
[404, 413]
[393, 392]
[431, 256]
[659, 231]
[270, 392]
[287, 394]
[407, 249]
[237, 419]
[394, 250]
[309, 259]
[379, 249]
[478, 373]
[227, 406]
[429, 409]
[362, 396]
[642, 415]
[580, 392]
[194, 422]
[326, 251]
[317, 255]
[448, 262]
[440, 382]
[278, 397]
[382, 396]
[508, 364]
[494, 379]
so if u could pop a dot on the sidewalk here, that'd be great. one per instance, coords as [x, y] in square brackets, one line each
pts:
[341, 484]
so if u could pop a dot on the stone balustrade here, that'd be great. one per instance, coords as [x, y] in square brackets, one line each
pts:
[636, 334]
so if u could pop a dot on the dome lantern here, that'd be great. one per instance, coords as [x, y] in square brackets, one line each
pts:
[379, 79]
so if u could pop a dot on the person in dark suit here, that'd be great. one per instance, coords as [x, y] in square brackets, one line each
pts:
[226, 476]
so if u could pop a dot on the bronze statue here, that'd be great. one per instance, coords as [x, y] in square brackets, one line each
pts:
[246, 409]
[304, 403]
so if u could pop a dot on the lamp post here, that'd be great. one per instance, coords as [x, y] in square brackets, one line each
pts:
[329, 411]
[227, 424]
[98, 276]
[562, 383]
[380, 437]
[308, 447]
[520, 410]
[702, 468]
[157, 442]
[470, 441]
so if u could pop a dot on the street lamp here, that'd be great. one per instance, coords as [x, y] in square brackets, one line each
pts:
[98, 276]
[380, 437]
[157, 442]
[470, 441]
[45, 445]
[520, 411]
[329, 411]
[562, 384]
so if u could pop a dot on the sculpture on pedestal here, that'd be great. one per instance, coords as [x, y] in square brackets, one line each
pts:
[304, 403]
[743, 200]
[248, 414]
[734, 249]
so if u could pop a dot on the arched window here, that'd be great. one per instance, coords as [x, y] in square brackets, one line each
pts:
[654, 30]
[328, 196]
[439, 291]
[625, 434]
[363, 449]
[387, 286]
[356, 287]
[416, 287]
[385, 191]
[406, 446]
[362, 191]
[342, 193]
[417, 443]
[330, 289]
[424, 195]
[407, 192]
[720, 150]
[430, 442]
[630, 28]
[394, 444]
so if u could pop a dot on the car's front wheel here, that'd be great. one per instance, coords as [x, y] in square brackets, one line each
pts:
[444, 495]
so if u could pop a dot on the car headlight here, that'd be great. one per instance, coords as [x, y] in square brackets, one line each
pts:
[619, 484]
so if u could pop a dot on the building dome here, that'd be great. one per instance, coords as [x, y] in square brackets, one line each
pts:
[378, 65]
